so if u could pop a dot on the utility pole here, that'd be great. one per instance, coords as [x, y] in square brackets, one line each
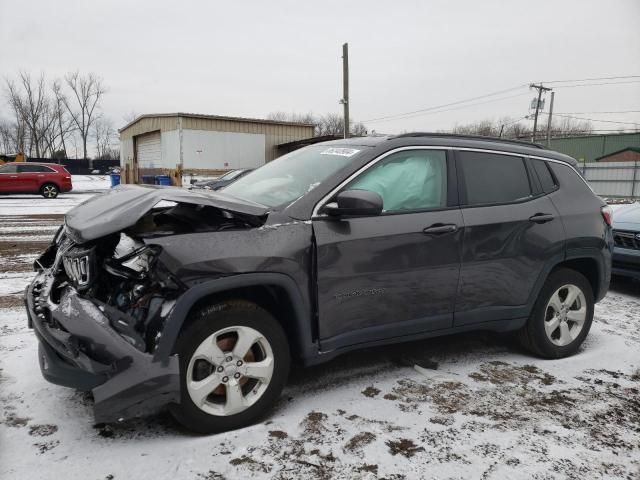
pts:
[345, 87]
[540, 89]
[553, 94]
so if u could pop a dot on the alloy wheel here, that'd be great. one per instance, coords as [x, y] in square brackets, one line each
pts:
[229, 371]
[565, 315]
[49, 191]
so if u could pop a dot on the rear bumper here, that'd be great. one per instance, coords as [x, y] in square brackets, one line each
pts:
[79, 349]
[626, 262]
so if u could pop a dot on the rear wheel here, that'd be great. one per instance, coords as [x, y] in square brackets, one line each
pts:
[561, 317]
[234, 362]
[49, 190]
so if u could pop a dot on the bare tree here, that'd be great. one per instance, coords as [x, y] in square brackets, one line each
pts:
[510, 128]
[65, 124]
[12, 136]
[86, 93]
[329, 124]
[130, 117]
[28, 98]
[6, 136]
[103, 133]
[292, 117]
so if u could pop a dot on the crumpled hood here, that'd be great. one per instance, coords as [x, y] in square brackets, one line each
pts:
[627, 217]
[122, 206]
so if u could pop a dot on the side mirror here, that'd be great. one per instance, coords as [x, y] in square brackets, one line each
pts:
[355, 202]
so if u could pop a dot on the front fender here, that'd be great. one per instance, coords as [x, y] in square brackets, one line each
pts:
[302, 312]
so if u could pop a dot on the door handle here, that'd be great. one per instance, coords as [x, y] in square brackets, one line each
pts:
[439, 229]
[541, 218]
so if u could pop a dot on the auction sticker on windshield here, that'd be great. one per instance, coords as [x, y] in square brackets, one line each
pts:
[343, 152]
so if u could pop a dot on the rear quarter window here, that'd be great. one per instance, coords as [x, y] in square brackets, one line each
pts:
[488, 178]
[544, 175]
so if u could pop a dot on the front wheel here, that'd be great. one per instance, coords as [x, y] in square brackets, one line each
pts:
[234, 362]
[49, 190]
[561, 317]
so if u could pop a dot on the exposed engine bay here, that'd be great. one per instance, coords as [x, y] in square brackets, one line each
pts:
[121, 272]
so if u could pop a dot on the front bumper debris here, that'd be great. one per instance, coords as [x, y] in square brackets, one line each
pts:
[80, 349]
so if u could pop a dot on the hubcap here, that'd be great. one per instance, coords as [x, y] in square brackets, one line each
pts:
[565, 315]
[49, 191]
[229, 371]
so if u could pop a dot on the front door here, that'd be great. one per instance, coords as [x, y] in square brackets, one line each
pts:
[397, 273]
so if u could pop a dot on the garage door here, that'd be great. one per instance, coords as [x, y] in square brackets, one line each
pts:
[149, 150]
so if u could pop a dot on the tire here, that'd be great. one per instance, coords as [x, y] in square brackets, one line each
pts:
[218, 368]
[540, 335]
[49, 190]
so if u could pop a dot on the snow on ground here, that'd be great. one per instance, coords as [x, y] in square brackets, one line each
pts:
[84, 187]
[465, 406]
[90, 183]
[37, 205]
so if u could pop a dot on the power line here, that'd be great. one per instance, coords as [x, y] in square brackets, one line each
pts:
[592, 79]
[595, 84]
[437, 107]
[515, 121]
[596, 120]
[586, 113]
[462, 106]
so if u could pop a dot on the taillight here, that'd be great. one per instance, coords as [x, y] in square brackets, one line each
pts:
[607, 214]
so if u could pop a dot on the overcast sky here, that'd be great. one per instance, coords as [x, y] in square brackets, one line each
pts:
[249, 58]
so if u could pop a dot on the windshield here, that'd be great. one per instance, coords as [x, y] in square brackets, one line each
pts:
[230, 175]
[287, 178]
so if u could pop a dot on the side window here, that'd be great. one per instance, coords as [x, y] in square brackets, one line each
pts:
[8, 169]
[26, 168]
[491, 178]
[408, 180]
[544, 175]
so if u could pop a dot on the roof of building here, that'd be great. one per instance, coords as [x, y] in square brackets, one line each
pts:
[215, 117]
[633, 149]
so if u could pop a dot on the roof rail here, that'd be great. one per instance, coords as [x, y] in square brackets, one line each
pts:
[470, 137]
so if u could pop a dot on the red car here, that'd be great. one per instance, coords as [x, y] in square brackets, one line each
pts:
[47, 179]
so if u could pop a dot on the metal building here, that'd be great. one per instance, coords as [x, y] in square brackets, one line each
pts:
[177, 143]
[588, 148]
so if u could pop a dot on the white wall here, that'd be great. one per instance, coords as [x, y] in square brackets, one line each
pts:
[613, 179]
[126, 151]
[170, 149]
[221, 150]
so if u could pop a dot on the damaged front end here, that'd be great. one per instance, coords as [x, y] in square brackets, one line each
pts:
[99, 306]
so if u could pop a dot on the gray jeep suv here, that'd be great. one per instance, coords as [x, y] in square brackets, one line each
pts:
[152, 296]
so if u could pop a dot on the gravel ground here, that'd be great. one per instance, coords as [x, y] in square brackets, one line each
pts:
[465, 406]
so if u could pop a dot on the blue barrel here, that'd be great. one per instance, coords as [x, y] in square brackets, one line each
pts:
[163, 180]
[115, 179]
[148, 179]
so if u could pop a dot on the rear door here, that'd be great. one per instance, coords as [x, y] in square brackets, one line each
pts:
[9, 179]
[394, 274]
[512, 234]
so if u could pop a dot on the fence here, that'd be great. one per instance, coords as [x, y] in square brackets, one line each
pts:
[613, 179]
[79, 166]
